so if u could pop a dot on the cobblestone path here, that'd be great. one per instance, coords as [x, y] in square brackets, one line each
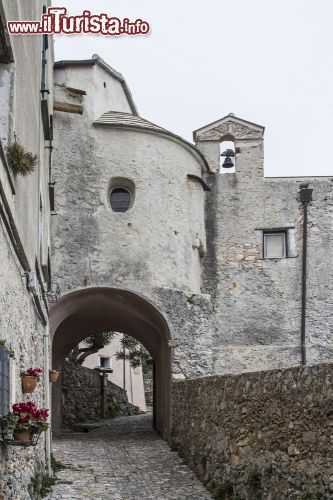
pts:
[126, 460]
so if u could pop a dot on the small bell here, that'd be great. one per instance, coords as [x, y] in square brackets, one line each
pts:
[228, 163]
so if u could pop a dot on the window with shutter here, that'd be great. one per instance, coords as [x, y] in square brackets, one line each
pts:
[4, 381]
[120, 199]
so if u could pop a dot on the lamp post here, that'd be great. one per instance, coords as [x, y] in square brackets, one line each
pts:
[306, 198]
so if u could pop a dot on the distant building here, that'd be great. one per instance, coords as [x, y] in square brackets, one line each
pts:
[123, 374]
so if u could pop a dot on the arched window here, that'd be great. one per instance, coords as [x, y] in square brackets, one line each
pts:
[227, 156]
[120, 199]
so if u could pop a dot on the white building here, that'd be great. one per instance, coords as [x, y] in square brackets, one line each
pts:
[130, 379]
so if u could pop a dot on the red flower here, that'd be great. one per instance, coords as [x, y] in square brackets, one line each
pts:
[33, 372]
[30, 411]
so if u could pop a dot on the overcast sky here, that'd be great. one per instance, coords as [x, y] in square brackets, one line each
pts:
[269, 62]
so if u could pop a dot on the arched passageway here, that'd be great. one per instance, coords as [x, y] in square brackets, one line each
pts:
[84, 312]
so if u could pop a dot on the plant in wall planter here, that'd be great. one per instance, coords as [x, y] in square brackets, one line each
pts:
[54, 375]
[24, 425]
[30, 377]
[21, 162]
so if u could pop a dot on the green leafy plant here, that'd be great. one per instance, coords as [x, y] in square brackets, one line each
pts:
[41, 486]
[254, 480]
[11, 353]
[269, 470]
[93, 344]
[133, 351]
[312, 496]
[21, 162]
[56, 465]
[225, 491]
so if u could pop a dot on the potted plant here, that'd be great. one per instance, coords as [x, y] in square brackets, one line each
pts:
[54, 375]
[23, 426]
[30, 378]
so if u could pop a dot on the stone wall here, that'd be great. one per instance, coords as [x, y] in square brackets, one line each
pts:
[24, 226]
[23, 333]
[257, 301]
[82, 396]
[258, 435]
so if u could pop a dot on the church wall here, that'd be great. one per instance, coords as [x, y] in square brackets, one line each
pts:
[257, 301]
[156, 247]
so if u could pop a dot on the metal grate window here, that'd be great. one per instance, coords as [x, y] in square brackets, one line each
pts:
[4, 381]
[120, 199]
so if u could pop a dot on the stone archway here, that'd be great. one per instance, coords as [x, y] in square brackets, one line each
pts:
[92, 310]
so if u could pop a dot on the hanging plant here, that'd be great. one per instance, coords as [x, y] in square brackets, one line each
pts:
[23, 426]
[30, 378]
[21, 162]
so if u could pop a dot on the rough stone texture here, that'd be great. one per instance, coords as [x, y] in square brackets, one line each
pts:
[245, 314]
[82, 396]
[268, 434]
[140, 249]
[26, 203]
[126, 459]
[23, 332]
[143, 249]
[189, 317]
[256, 301]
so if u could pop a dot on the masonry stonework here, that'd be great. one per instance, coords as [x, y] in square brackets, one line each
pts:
[258, 435]
[179, 241]
[23, 332]
[24, 237]
[83, 399]
[257, 301]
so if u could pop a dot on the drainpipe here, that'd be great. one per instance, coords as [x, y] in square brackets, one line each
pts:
[306, 198]
[47, 400]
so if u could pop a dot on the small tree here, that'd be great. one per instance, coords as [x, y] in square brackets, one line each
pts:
[134, 352]
[94, 343]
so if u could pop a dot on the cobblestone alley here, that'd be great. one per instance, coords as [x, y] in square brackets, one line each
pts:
[126, 460]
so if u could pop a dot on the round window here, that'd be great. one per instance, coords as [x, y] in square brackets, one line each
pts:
[120, 199]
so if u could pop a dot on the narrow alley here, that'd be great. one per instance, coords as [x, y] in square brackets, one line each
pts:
[125, 459]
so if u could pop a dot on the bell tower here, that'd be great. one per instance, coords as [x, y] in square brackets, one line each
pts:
[240, 143]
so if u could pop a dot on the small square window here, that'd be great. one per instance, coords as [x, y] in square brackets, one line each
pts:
[275, 245]
[105, 363]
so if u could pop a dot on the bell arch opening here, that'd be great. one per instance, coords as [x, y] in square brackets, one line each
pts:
[88, 311]
[227, 155]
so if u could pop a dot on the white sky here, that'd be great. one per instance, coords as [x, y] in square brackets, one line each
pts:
[267, 61]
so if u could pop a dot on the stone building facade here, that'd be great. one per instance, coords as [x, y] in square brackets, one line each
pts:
[193, 238]
[24, 235]
[257, 301]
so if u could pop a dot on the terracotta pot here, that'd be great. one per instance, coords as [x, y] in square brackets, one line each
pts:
[54, 376]
[29, 383]
[22, 436]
